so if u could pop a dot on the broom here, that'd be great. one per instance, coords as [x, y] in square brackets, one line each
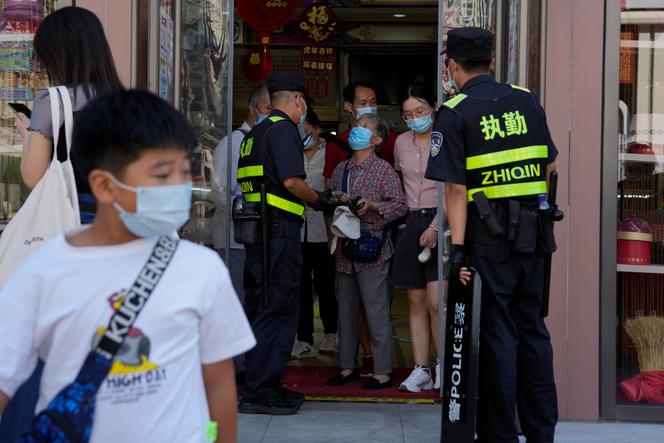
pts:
[647, 333]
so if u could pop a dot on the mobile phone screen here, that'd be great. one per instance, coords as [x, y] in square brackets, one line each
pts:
[20, 107]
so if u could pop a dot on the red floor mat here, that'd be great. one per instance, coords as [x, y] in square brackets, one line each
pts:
[310, 380]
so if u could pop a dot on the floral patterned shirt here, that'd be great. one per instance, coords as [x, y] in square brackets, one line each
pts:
[374, 179]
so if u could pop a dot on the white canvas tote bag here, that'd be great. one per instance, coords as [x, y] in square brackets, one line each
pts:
[52, 206]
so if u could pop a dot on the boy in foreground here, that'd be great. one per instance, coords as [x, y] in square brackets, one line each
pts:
[174, 371]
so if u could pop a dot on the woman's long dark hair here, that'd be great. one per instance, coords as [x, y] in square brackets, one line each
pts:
[71, 45]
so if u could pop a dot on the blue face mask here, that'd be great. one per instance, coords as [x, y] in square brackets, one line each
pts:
[453, 87]
[365, 111]
[160, 210]
[360, 138]
[420, 124]
[261, 117]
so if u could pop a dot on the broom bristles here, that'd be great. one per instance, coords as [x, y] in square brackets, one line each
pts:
[647, 333]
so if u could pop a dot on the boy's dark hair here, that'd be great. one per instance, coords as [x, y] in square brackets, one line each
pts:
[114, 129]
[420, 90]
[349, 91]
[312, 118]
[71, 45]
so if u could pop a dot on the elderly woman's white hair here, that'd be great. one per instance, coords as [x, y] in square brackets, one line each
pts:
[382, 130]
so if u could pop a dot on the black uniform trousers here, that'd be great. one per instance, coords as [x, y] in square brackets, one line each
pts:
[516, 358]
[274, 325]
[317, 273]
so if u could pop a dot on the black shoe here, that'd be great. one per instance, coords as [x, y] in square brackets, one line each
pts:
[374, 385]
[339, 379]
[276, 406]
[289, 395]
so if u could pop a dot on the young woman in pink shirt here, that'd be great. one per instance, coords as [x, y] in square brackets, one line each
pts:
[411, 154]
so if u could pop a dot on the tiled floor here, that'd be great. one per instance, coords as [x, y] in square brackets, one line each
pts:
[408, 423]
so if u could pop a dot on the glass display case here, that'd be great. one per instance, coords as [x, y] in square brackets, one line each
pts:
[205, 76]
[639, 333]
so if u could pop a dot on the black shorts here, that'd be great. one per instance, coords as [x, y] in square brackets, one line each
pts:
[407, 271]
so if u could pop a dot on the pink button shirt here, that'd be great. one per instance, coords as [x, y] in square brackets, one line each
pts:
[412, 162]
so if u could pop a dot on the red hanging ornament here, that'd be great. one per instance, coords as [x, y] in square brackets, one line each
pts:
[257, 64]
[266, 15]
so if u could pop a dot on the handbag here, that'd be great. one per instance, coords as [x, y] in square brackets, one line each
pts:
[365, 249]
[52, 206]
[70, 415]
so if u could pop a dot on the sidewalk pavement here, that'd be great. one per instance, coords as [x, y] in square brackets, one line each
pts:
[320, 422]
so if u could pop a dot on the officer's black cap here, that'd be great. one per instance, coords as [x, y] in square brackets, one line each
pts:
[471, 44]
[286, 81]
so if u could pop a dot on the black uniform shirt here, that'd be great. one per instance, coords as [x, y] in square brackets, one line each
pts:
[447, 161]
[282, 157]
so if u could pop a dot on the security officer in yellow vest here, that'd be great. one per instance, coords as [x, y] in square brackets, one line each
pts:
[271, 156]
[493, 137]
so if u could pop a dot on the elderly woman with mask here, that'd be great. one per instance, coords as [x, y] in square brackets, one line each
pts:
[374, 190]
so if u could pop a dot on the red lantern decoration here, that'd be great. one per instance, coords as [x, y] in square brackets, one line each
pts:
[257, 64]
[266, 15]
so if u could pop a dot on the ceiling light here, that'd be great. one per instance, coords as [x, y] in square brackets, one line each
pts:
[399, 15]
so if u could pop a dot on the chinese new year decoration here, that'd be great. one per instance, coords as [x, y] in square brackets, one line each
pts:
[318, 62]
[318, 58]
[257, 64]
[318, 23]
[627, 59]
[266, 15]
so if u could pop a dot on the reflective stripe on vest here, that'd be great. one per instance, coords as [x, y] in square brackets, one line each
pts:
[277, 202]
[511, 190]
[250, 171]
[451, 103]
[520, 88]
[276, 118]
[508, 156]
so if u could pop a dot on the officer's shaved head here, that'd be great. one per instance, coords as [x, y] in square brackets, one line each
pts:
[281, 98]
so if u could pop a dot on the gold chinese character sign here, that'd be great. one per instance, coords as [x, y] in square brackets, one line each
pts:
[318, 23]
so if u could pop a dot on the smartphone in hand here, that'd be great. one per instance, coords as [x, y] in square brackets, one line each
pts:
[21, 108]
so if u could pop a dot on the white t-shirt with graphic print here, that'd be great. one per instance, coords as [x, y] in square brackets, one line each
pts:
[63, 295]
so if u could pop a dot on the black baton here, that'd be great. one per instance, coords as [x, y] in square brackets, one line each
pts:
[557, 215]
[266, 246]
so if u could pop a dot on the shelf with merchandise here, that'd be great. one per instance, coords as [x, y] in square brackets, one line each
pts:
[644, 269]
[642, 158]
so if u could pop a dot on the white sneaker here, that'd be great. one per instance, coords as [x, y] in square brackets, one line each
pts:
[302, 349]
[328, 345]
[418, 380]
[437, 384]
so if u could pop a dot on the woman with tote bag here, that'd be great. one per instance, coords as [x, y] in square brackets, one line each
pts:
[71, 45]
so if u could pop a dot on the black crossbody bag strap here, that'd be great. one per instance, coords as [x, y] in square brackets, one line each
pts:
[136, 298]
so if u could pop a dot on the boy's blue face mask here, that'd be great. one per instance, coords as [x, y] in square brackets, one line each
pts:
[261, 117]
[160, 210]
[360, 138]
